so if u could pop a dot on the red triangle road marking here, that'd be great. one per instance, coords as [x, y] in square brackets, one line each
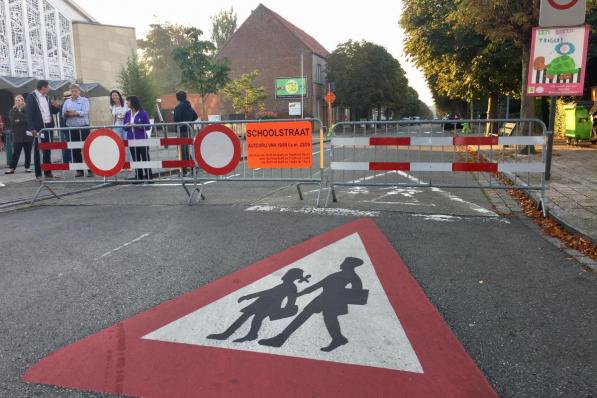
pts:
[164, 352]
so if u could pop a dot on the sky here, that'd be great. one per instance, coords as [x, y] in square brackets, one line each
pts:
[330, 22]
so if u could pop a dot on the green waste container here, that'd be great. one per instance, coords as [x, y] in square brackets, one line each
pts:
[579, 125]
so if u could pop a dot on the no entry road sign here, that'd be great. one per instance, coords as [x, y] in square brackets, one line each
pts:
[336, 316]
[562, 13]
[217, 149]
[103, 153]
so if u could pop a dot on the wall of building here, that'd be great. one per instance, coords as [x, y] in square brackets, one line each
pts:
[100, 53]
[263, 43]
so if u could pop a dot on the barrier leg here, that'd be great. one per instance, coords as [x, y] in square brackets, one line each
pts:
[196, 190]
[38, 192]
[300, 193]
[332, 194]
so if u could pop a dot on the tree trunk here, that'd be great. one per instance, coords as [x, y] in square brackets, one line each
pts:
[492, 113]
[527, 103]
[204, 107]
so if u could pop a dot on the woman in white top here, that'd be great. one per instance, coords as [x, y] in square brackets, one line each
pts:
[119, 109]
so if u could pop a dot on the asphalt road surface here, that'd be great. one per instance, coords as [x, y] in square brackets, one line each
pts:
[522, 309]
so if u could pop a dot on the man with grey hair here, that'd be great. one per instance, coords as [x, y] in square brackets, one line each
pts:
[76, 113]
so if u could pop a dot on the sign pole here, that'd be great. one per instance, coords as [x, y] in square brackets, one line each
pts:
[552, 122]
[302, 94]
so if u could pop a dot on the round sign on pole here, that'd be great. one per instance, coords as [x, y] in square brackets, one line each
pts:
[217, 149]
[562, 4]
[103, 152]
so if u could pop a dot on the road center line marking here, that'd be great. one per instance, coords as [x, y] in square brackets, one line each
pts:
[123, 246]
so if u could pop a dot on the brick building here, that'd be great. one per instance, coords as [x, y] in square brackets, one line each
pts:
[269, 43]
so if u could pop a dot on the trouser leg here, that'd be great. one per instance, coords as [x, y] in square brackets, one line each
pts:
[47, 155]
[75, 136]
[16, 154]
[27, 149]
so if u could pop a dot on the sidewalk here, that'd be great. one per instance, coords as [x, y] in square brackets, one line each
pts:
[572, 191]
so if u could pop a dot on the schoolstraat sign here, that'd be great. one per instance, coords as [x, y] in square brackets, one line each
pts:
[558, 61]
[280, 145]
[562, 13]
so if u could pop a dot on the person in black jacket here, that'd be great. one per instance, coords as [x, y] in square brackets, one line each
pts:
[184, 112]
[20, 139]
[39, 116]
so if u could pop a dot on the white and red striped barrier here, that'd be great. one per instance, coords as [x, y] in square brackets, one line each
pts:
[437, 141]
[440, 167]
[528, 167]
[104, 152]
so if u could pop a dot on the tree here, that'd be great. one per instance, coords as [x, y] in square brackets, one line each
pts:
[223, 26]
[134, 79]
[157, 48]
[200, 73]
[366, 77]
[458, 62]
[244, 96]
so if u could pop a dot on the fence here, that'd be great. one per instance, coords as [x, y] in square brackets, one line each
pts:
[189, 155]
[439, 154]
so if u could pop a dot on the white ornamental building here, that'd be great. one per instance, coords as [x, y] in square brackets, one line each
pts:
[56, 40]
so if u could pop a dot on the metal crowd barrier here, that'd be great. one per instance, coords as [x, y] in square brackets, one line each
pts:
[439, 154]
[171, 159]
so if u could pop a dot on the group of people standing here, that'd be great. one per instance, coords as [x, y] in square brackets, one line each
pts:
[31, 121]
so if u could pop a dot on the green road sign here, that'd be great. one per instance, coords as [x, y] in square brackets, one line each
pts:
[289, 87]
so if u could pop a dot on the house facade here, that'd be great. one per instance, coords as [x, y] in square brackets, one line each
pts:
[277, 49]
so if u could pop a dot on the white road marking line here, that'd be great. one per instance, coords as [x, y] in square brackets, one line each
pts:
[2, 185]
[316, 211]
[227, 178]
[123, 246]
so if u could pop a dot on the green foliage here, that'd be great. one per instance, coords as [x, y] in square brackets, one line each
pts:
[200, 73]
[223, 26]
[366, 76]
[134, 79]
[244, 96]
[157, 48]
[458, 62]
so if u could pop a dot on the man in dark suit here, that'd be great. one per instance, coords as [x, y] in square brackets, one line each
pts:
[39, 111]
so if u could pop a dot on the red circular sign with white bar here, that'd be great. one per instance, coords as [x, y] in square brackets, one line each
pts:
[562, 5]
[103, 152]
[217, 149]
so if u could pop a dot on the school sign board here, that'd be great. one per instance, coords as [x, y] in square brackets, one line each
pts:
[291, 87]
[562, 13]
[558, 61]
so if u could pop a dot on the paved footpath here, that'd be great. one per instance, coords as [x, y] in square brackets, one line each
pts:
[520, 315]
[572, 191]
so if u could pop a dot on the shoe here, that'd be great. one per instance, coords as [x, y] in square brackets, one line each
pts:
[335, 344]
[273, 342]
[27, 170]
[217, 337]
[11, 171]
[80, 174]
[246, 338]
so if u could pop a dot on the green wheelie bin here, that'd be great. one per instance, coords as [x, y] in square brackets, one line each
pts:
[579, 125]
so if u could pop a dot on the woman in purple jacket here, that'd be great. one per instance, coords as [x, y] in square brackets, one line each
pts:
[137, 116]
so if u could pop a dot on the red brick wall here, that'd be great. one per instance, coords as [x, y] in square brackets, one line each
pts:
[263, 43]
